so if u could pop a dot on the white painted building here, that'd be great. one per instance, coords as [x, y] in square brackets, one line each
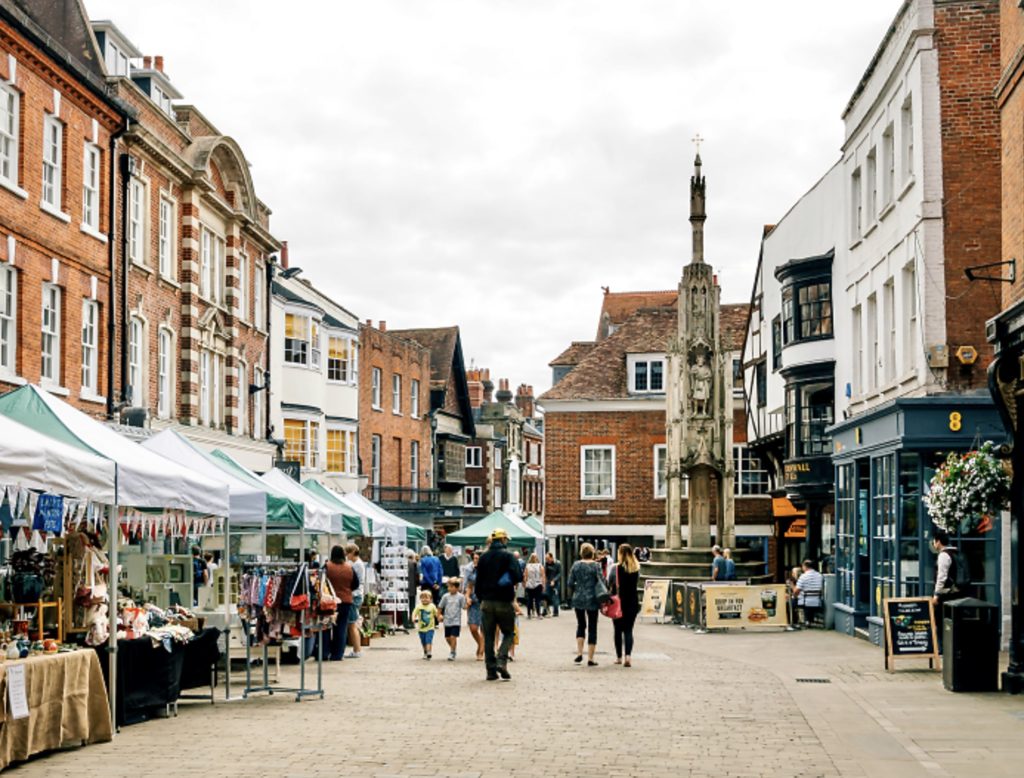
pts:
[315, 382]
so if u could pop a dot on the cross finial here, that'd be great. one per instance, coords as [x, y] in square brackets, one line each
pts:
[697, 140]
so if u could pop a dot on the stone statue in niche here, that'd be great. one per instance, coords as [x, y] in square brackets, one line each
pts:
[700, 385]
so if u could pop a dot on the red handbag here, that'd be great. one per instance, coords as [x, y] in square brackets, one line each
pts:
[299, 601]
[612, 607]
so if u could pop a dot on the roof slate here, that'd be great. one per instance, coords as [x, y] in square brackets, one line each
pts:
[574, 354]
[616, 307]
[440, 341]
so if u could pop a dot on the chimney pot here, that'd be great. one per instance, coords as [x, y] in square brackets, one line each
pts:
[369, 322]
[158, 63]
[147, 62]
[284, 254]
[383, 326]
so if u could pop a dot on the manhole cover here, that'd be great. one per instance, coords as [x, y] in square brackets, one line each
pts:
[813, 680]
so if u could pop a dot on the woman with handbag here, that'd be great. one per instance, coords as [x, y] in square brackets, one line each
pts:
[625, 578]
[341, 574]
[587, 588]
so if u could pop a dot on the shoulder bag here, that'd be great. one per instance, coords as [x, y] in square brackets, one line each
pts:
[612, 607]
[600, 587]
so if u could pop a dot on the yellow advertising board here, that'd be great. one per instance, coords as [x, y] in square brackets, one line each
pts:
[741, 607]
[655, 598]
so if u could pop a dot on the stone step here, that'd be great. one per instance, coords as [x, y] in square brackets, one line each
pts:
[692, 554]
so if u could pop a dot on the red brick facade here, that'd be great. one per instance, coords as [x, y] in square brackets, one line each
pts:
[1010, 97]
[52, 247]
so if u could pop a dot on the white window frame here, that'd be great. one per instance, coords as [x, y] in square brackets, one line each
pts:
[166, 239]
[138, 212]
[10, 136]
[258, 421]
[871, 364]
[739, 464]
[634, 361]
[889, 323]
[907, 139]
[53, 165]
[660, 471]
[396, 394]
[91, 170]
[242, 410]
[911, 342]
[471, 492]
[205, 262]
[856, 206]
[375, 445]
[888, 165]
[115, 59]
[258, 312]
[137, 353]
[474, 456]
[243, 286]
[584, 450]
[50, 345]
[857, 330]
[349, 458]
[414, 398]
[8, 319]
[165, 373]
[315, 327]
[414, 464]
[343, 370]
[205, 369]
[90, 348]
[376, 377]
[871, 171]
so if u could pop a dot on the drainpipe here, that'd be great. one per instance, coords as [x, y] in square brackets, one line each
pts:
[112, 263]
[127, 167]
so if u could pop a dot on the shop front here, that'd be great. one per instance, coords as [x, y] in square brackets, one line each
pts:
[884, 460]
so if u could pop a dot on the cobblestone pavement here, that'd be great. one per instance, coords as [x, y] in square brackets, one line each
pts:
[692, 705]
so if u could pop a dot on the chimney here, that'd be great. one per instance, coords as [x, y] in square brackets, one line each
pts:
[383, 326]
[503, 395]
[476, 387]
[158, 62]
[488, 385]
[369, 322]
[524, 400]
[147, 63]
[284, 254]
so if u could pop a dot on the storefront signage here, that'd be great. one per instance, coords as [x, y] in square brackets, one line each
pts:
[655, 598]
[806, 471]
[290, 467]
[909, 630]
[742, 607]
[798, 529]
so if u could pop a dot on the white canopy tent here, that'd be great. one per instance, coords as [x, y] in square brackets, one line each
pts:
[319, 516]
[385, 525]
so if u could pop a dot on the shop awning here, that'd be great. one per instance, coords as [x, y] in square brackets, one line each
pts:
[249, 505]
[282, 511]
[782, 508]
[32, 460]
[352, 522]
[519, 533]
[144, 478]
[319, 517]
[386, 524]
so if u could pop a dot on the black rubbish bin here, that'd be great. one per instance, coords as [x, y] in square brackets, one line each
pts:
[970, 646]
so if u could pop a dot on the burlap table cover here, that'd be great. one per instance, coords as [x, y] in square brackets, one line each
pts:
[67, 703]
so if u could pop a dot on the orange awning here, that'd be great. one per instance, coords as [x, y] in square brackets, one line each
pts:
[797, 529]
[782, 508]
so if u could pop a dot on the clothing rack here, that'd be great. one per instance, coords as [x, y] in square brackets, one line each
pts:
[300, 691]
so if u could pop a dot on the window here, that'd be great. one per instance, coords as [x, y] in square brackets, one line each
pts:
[50, 352]
[314, 343]
[856, 207]
[815, 309]
[872, 174]
[660, 471]
[9, 133]
[296, 441]
[339, 356]
[204, 387]
[788, 315]
[776, 343]
[258, 420]
[8, 318]
[907, 140]
[858, 351]
[206, 264]
[871, 368]
[136, 354]
[53, 146]
[314, 445]
[165, 246]
[809, 412]
[243, 287]
[474, 456]
[751, 475]
[761, 376]
[375, 460]
[116, 60]
[242, 385]
[414, 465]
[889, 322]
[90, 323]
[138, 203]
[910, 336]
[737, 374]
[598, 465]
[888, 165]
[375, 389]
[164, 387]
[296, 339]
[257, 297]
[648, 375]
[414, 398]
[473, 496]
[396, 393]
[341, 451]
[91, 187]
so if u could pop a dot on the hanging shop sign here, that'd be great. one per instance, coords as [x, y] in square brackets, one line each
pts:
[910, 630]
[743, 607]
[656, 596]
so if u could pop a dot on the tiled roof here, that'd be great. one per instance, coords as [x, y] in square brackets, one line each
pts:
[440, 341]
[732, 325]
[572, 355]
[619, 306]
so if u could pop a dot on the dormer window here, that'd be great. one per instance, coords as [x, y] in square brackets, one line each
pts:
[162, 99]
[116, 60]
[646, 373]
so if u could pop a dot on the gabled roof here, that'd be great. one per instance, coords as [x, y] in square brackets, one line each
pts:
[574, 354]
[732, 325]
[446, 364]
[616, 307]
[288, 295]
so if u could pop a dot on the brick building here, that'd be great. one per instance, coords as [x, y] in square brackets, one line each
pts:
[395, 446]
[57, 122]
[194, 257]
[483, 492]
[604, 431]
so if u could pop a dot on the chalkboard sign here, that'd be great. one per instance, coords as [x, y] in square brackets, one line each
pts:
[909, 630]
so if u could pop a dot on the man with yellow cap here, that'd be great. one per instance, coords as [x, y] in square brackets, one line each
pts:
[497, 574]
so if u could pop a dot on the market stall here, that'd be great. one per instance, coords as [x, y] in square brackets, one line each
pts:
[353, 522]
[386, 525]
[476, 534]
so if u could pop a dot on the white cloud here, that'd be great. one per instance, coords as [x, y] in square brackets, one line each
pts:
[493, 163]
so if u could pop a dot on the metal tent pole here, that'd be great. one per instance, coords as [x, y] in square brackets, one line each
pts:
[226, 566]
[113, 531]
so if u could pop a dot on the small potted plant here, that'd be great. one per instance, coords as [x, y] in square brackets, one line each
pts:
[968, 491]
[365, 633]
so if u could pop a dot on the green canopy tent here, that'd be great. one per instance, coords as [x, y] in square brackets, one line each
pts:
[351, 522]
[535, 524]
[519, 533]
[282, 512]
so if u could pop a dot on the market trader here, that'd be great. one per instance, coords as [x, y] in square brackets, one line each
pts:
[497, 574]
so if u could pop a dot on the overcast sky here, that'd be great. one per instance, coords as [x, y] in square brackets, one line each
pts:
[494, 163]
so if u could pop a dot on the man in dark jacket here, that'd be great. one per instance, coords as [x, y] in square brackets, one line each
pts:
[497, 574]
[553, 576]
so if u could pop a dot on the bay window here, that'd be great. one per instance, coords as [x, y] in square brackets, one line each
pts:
[302, 442]
[341, 450]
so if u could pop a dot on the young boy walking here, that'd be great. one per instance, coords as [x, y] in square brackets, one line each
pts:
[424, 616]
[452, 605]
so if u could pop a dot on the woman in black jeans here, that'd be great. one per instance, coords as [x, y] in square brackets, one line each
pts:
[582, 583]
[625, 577]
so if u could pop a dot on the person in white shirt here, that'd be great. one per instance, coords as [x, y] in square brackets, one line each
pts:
[809, 591]
[359, 566]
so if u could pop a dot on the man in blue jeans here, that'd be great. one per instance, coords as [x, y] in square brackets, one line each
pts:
[497, 574]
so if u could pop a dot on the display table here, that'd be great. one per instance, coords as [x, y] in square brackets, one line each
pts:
[67, 702]
[150, 678]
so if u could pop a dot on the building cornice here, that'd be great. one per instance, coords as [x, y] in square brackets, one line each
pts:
[618, 405]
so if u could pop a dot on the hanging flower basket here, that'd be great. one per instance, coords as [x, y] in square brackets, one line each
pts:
[968, 490]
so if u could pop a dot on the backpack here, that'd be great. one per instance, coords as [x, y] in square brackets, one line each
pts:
[959, 579]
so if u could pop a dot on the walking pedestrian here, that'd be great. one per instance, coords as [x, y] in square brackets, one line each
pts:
[730, 566]
[952, 576]
[425, 617]
[413, 571]
[717, 564]
[553, 578]
[583, 582]
[473, 616]
[449, 565]
[430, 574]
[534, 586]
[358, 593]
[625, 578]
[342, 576]
[452, 605]
[497, 574]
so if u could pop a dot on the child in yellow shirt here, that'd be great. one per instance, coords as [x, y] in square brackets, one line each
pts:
[425, 616]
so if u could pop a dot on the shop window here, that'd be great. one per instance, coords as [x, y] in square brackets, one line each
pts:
[883, 534]
[846, 533]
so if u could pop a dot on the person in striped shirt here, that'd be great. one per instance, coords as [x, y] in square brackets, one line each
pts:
[809, 591]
